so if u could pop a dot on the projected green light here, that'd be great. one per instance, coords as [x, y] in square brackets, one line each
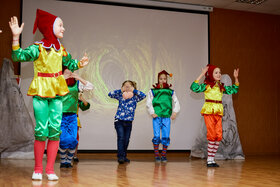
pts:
[110, 66]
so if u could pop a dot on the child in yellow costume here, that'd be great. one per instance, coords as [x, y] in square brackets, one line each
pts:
[47, 86]
[212, 109]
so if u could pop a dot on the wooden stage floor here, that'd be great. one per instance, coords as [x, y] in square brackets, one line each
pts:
[102, 169]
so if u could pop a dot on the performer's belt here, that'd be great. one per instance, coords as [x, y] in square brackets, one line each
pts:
[212, 101]
[49, 74]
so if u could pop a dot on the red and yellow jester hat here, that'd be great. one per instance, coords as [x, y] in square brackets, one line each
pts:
[165, 85]
[209, 79]
[44, 22]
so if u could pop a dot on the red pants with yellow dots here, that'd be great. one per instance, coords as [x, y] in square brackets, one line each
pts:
[214, 127]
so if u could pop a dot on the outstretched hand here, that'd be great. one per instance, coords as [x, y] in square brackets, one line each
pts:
[16, 30]
[204, 70]
[236, 72]
[84, 61]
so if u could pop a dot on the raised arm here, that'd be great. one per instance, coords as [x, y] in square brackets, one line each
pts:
[203, 71]
[116, 94]
[21, 55]
[16, 30]
[139, 95]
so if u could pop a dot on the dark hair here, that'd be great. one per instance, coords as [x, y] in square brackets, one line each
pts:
[132, 83]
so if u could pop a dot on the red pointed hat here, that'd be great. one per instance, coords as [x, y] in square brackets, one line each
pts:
[209, 79]
[44, 22]
[165, 85]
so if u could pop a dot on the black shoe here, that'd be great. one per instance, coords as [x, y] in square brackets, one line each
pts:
[127, 160]
[209, 165]
[215, 164]
[163, 159]
[75, 159]
[68, 165]
[157, 159]
[120, 161]
[63, 165]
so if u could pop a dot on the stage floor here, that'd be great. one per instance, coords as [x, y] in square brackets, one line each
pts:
[102, 169]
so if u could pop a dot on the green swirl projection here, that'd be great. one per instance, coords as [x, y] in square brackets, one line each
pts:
[111, 65]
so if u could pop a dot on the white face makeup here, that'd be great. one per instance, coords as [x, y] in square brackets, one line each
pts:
[58, 28]
[162, 79]
[217, 74]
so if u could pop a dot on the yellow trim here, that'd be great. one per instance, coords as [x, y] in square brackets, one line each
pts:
[79, 65]
[237, 84]
[196, 81]
[15, 47]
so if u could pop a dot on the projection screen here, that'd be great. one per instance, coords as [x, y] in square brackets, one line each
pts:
[127, 43]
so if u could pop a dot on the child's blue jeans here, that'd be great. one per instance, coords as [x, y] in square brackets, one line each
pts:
[123, 129]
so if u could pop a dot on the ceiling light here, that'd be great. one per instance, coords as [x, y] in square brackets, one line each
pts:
[253, 2]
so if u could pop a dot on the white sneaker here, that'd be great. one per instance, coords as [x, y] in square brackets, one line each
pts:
[37, 176]
[52, 177]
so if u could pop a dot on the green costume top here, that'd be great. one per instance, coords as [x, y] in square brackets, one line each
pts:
[48, 80]
[71, 101]
[162, 102]
[213, 97]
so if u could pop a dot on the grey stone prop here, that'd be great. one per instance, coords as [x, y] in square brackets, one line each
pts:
[230, 146]
[17, 127]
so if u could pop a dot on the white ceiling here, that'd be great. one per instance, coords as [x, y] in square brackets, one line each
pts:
[268, 7]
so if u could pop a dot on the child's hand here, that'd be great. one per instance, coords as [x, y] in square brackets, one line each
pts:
[84, 61]
[16, 30]
[236, 72]
[204, 70]
[67, 74]
[154, 115]
[81, 97]
[173, 116]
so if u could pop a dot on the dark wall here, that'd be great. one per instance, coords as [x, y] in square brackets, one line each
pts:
[251, 41]
[7, 10]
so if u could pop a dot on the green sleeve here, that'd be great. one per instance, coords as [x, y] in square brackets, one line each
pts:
[71, 64]
[31, 53]
[195, 87]
[231, 89]
[82, 106]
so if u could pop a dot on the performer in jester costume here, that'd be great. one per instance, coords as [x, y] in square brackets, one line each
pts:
[48, 85]
[212, 109]
[161, 108]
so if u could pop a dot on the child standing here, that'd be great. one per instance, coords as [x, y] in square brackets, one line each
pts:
[160, 107]
[83, 105]
[48, 84]
[128, 97]
[68, 138]
[212, 109]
